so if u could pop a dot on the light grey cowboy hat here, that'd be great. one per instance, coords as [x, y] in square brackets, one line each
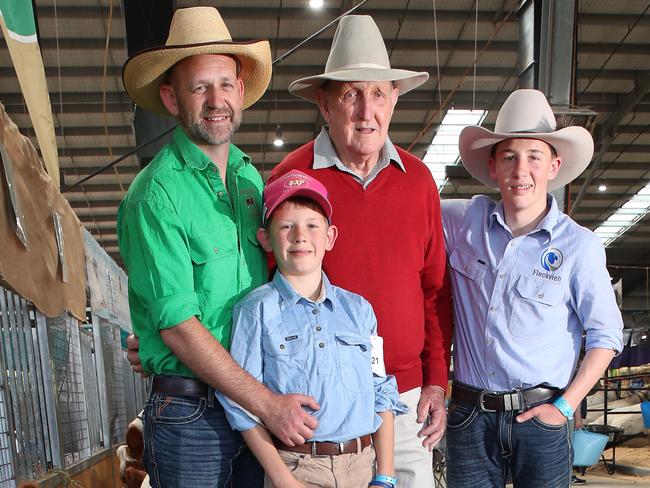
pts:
[526, 114]
[358, 53]
[196, 30]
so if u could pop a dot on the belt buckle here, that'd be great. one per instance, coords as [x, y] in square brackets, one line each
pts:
[314, 451]
[481, 399]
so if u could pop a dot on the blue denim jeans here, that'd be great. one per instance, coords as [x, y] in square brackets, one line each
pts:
[483, 447]
[188, 442]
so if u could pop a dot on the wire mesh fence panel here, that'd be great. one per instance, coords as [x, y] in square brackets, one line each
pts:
[89, 368]
[114, 377]
[21, 353]
[7, 479]
[65, 350]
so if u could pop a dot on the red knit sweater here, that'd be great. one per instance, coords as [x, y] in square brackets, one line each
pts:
[390, 250]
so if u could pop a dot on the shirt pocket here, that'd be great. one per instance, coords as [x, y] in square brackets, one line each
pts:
[213, 246]
[467, 264]
[214, 263]
[284, 362]
[536, 308]
[355, 361]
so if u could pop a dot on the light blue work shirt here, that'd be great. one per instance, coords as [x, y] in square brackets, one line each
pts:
[521, 303]
[322, 349]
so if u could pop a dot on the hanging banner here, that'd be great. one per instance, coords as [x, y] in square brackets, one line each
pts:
[45, 263]
[19, 29]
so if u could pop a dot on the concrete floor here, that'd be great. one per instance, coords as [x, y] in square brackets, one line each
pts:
[614, 481]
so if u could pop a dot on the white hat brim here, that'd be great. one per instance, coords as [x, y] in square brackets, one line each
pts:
[403, 80]
[144, 72]
[574, 145]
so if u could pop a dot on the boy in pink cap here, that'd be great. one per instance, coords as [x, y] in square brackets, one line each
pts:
[300, 333]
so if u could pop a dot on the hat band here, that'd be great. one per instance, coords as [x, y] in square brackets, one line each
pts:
[358, 66]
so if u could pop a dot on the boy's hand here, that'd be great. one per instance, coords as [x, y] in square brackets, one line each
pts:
[546, 413]
[432, 407]
[132, 354]
[286, 418]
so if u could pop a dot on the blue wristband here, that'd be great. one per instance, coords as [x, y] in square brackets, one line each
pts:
[563, 406]
[385, 478]
[383, 484]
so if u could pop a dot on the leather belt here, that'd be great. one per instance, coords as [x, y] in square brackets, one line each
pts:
[493, 401]
[179, 385]
[352, 446]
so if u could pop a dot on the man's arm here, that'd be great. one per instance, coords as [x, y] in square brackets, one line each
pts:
[283, 415]
[593, 365]
[438, 332]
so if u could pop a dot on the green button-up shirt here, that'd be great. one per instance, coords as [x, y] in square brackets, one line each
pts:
[189, 244]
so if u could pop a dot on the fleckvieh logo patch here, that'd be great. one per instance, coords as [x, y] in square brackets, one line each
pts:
[552, 259]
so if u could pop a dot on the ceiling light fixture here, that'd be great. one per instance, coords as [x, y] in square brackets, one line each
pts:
[602, 186]
[315, 3]
[278, 141]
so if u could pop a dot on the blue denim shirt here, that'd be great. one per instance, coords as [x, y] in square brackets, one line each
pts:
[322, 349]
[521, 303]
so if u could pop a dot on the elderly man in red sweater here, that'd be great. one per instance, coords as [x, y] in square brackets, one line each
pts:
[390, 248]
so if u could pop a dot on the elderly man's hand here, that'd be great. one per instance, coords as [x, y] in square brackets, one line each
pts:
[286, 418]
[431, 407]
[132, 354]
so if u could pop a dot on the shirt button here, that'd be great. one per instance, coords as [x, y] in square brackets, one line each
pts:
[540, 295]
[314, 311]
[318, 329]
[220, 194]
[492, 309]
[501, 276]
[216, 250]
[214, 169]
[513, 244]
[321, 345]
[281, 346]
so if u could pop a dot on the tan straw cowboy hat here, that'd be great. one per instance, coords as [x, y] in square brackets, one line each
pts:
[196, 30]
[358, 53]
[526, 114]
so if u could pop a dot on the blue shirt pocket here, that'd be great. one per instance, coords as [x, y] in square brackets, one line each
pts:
[467, 264]
[355, 361]
[284, 362]
[535, 309]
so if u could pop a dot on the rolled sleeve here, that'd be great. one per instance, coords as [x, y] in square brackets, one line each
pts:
[387, 396]
[595, 303]
[160, 269]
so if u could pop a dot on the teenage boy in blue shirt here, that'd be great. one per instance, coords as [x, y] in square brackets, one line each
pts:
[300, 333]
[527, 281]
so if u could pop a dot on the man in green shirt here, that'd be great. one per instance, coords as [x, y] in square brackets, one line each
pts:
[187, 233]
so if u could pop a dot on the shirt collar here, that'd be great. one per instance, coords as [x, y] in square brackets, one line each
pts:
[547, 224]
[325, 155]
[290, 297]
[197, 159]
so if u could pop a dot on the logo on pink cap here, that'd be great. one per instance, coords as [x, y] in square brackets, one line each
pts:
[295, 184]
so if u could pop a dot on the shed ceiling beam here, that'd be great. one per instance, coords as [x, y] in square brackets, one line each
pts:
[607, 132]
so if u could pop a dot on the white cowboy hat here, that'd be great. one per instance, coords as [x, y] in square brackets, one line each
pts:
[358, 53]
[196, 30]
[526, 114]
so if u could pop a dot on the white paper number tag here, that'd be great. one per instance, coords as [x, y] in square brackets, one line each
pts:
[377, 353]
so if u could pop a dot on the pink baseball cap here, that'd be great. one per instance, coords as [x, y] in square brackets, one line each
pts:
[295, 184]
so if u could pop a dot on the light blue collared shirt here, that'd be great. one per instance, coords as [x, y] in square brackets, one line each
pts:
[325, 156]
[322, 349]
[521, 303]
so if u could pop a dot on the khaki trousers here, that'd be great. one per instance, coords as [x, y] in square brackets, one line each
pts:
[413, 463]
[342, 471]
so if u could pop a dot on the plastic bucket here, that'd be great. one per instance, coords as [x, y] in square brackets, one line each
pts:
[645, 410]
[587, 447]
